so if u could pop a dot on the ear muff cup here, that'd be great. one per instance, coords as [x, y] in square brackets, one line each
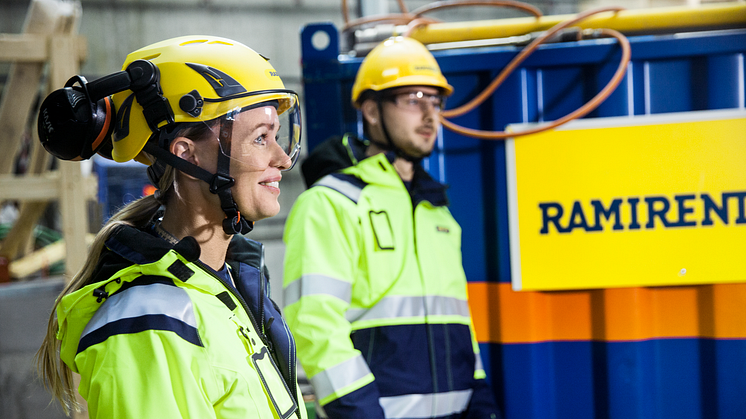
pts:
[71, 127]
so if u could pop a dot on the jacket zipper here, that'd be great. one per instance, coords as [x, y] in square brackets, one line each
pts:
[428, 326]
[240, 300]
[263, 284]
[259, 331]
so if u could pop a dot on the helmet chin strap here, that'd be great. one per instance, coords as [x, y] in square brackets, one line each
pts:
[233, 222]
[390, 145]
[220, 182]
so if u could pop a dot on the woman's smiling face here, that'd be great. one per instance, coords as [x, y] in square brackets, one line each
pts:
[256, 162]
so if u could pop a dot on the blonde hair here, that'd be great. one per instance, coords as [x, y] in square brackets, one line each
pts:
[56, 375]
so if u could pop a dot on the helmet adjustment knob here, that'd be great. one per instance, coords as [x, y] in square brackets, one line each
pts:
[191, 103]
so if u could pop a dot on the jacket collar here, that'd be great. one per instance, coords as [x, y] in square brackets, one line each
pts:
[379, 169]
[425, 188]
[142, 247]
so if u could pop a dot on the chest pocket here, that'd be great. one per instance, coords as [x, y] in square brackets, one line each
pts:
[274, 386]
[273, 383]
[382, 231]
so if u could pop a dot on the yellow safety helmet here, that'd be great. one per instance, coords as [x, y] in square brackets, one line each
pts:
[396, 62]
[202, 78]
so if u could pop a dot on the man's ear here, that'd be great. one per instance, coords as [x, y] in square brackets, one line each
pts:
[185, 149]
[369, 108]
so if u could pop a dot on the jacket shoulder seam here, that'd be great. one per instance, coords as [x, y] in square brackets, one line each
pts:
[349, 186]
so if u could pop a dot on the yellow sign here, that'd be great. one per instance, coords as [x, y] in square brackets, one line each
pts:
[621, 202]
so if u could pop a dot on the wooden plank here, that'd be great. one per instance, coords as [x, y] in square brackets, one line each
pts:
[42, 187]
[31, 48]
[23, 48]
[62, 60]
[38, 260]
[18, 241]
[44, 257]
[73, 206]
[30, 187]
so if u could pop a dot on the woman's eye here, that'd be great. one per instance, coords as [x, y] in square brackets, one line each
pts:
[261, 140]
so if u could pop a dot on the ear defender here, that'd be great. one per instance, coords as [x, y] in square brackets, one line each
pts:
[76, 122]
[71, 126]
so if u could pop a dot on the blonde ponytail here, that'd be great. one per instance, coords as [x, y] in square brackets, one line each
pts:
[56, 375]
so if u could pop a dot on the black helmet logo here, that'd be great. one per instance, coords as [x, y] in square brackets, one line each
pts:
[122, 125]
[223, 84]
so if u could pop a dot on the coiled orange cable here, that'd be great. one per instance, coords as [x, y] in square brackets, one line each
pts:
[459, 3]
[415, 19]
[580, 112]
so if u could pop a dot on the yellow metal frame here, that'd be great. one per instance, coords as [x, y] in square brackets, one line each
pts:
[653, 20]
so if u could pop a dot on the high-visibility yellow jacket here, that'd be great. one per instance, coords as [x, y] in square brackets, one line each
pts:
[375, 293]
[160, 335]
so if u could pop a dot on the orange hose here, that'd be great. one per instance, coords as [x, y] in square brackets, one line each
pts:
[518, 60]
[346, 12]
[397, 19]
[415, 23]
[406, 18]
[578, 113]
[402, 6]
[458, 3]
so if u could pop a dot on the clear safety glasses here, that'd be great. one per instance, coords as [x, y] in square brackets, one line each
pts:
[267, 133]
[417, 101]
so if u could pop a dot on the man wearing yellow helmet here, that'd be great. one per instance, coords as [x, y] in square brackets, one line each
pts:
[375, 292]
[170, 316]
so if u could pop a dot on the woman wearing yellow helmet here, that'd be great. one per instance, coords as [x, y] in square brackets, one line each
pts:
[170, 316]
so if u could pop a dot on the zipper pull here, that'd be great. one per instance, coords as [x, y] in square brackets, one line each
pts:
[100, 294]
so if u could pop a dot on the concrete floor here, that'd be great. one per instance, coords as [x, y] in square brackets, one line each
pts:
[24, 312]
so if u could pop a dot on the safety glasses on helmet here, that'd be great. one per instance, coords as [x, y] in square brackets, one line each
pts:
[263, 128]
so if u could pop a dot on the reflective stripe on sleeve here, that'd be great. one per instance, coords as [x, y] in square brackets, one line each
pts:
[341, 376]
[403, 307]
[342, 186]
[317, 285]
[426, 405]
[139, 308]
